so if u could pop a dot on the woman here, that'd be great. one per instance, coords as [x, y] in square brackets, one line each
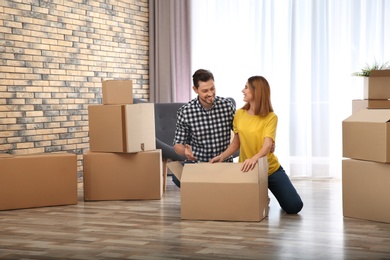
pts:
[254, 128]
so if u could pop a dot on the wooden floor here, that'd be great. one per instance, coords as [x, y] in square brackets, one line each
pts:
[154, 230]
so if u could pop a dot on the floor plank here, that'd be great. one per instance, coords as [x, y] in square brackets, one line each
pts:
[153, 230]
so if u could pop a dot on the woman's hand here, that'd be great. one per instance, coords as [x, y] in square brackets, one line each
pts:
[248, 164]
[216, 159]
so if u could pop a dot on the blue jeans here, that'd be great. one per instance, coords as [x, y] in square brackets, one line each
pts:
[281, 187]
[176, 180]
[283, 190]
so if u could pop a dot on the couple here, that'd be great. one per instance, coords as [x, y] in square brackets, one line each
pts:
[203, 133]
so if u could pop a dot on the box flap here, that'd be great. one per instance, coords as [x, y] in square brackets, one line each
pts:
[140, 127]
[176, 168]
[218, 173]
[380, 73]
[370, 116]
[263, 169]
[225, 168]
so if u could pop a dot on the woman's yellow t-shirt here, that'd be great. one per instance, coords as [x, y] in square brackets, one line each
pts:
[252, 130]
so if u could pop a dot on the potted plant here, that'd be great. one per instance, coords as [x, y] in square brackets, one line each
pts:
[365, 72]
[376, 80]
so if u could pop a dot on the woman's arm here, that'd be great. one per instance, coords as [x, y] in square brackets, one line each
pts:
[233, 147]
[249, 164]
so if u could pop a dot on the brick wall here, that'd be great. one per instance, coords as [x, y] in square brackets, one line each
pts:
[54, 55]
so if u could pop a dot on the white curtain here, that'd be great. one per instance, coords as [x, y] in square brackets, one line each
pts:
[307, 50]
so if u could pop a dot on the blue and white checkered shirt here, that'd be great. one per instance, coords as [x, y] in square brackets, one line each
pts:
[208, 132]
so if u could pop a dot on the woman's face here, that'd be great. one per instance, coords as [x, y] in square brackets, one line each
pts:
[248, 95]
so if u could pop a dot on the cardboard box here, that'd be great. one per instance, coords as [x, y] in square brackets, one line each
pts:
[366, 135]
[358, 104]
[121, 176]
[29, 181]
[221, 191]
[117, 92]
[366, 190]
[122, 128]
[377, 85]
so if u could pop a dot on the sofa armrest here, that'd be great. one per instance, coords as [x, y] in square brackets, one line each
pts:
[168, 151]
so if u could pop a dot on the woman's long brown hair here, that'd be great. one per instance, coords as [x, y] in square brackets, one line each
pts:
[261, 91]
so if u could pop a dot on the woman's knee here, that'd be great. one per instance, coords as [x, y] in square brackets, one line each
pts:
[293, 208]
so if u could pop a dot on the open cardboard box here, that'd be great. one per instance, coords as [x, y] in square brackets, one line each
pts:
[377, 85]
[366, 135]
[221, 191]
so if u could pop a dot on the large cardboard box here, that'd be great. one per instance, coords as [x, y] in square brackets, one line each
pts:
[377, 85]
[221, 191]
[366, 190]
[366, 135]
[121, 176]
[122, 128]
[358, 104]
[116, 92]
[29, 181]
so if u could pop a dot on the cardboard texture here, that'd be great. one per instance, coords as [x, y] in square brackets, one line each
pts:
[377, 85]
[30, 181]
[366, 191]
[122, 128]
[221, 191]
[116, 92]
[370, 104]
[366, 135]
[121, 176]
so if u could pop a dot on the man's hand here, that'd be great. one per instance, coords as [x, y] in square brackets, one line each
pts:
[272, 150]
[188, 153]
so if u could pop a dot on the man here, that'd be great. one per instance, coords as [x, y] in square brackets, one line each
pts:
[204, 125]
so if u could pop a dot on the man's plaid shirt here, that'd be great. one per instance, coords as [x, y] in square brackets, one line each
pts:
[208, 132]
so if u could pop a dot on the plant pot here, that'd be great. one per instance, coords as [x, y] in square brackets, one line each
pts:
[377, 85]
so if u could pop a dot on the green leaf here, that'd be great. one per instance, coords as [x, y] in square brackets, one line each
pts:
[365, 72]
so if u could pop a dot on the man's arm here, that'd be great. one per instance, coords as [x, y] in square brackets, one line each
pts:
[179, 149]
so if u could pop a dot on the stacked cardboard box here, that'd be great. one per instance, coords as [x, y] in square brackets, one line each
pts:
[123, 163]
[39, 180]
[366, 142]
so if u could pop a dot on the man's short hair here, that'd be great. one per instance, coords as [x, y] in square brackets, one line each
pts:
[201, 75]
